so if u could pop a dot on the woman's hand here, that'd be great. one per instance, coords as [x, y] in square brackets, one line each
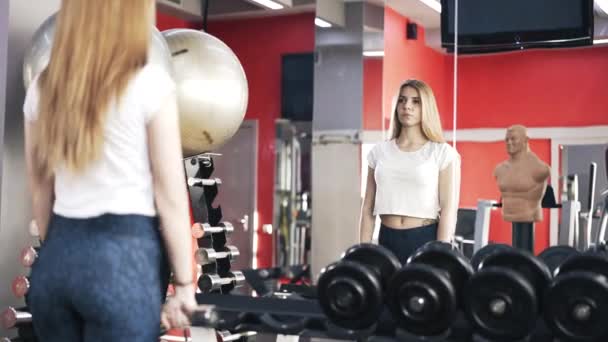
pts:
[178, 309]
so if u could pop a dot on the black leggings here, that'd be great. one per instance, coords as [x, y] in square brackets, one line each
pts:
[403, 242]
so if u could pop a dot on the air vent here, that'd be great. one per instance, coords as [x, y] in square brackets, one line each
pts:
[177, 2]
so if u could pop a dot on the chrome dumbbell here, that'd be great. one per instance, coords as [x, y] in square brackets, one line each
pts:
[205, 256]
[193, 181]
[11, 317]
[213, 282]
[28, 256]
[200, 230]
[227, 336]
[20, 286]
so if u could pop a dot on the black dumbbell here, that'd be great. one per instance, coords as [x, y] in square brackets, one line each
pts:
[192, 181]
[20, 286]
[213, 282]
[554, 256]
[576, 304]
[425, 294]
[28, 256]
[599, 248]
[12, 317]
[485, 251]
[503, 299]
[205, 256]
[351, 291]
[200, 230]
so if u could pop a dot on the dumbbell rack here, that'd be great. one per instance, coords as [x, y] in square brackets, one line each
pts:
[204, 211]
[22, 323]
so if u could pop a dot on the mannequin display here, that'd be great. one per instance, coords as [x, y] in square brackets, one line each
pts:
[522, 180]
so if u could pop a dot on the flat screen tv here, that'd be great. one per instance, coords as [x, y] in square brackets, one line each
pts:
[502, 25]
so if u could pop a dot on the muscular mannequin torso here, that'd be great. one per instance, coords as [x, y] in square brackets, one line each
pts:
[521, 180]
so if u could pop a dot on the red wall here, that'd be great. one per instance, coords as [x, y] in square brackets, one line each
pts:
[372, 90]
[404, 59]
[259, 44]
[564, 87]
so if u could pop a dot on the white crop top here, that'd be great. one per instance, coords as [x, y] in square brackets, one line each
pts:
[407, 183]
[120, 181]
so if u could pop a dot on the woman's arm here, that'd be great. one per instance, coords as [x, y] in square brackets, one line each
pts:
[366, 224]
[170, 190]
[449, 198]
[41, 188]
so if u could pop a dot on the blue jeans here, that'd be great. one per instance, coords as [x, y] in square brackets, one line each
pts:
[99, 279]
[403, 242]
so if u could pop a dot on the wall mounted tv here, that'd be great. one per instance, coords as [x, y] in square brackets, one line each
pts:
[503, 25]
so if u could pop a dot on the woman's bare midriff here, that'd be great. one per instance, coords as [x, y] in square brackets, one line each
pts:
[405, 222]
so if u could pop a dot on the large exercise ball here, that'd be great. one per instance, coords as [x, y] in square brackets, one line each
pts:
[212, 89]
[38, 53]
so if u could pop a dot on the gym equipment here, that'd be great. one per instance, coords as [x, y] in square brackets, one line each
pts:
[227, 336]
[504, 298]
[203, 182]
[568, 231]
[12, 317]
[425, 294]
[28, 256]
[212, 282]
[38, 53]
[206, 256]
[20, 286]
[351, 291]
[554, 256]
[200, 230]
[486, 251]
[576, 304]
[212, 89]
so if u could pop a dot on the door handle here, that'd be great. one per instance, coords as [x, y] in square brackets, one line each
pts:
[245, 222]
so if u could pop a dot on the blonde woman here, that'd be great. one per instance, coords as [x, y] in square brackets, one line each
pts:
[413, 179]
[104, 165]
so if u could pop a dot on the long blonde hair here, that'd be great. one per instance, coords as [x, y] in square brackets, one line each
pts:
[430, 120]
[98, 46]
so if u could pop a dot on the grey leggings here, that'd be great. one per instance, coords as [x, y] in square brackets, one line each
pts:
[99, 279]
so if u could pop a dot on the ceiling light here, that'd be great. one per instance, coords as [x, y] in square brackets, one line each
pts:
[322, 23]
[600, 41]
[378, 53]
[269, 4]
[434, 4]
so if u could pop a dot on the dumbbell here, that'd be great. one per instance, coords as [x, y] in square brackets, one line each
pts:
[227, 336]
[554, 256]
[205, 256]
[425, 294]
[193, 181]
[576, 304]
[20, 286]
[486, 251]
[213, 282]
[504, 298]
[12, 317]
[200, 230]
[28, 256]
[352, 291]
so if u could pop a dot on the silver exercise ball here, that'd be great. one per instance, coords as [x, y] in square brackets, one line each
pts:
[212, 89]
[38, 53]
